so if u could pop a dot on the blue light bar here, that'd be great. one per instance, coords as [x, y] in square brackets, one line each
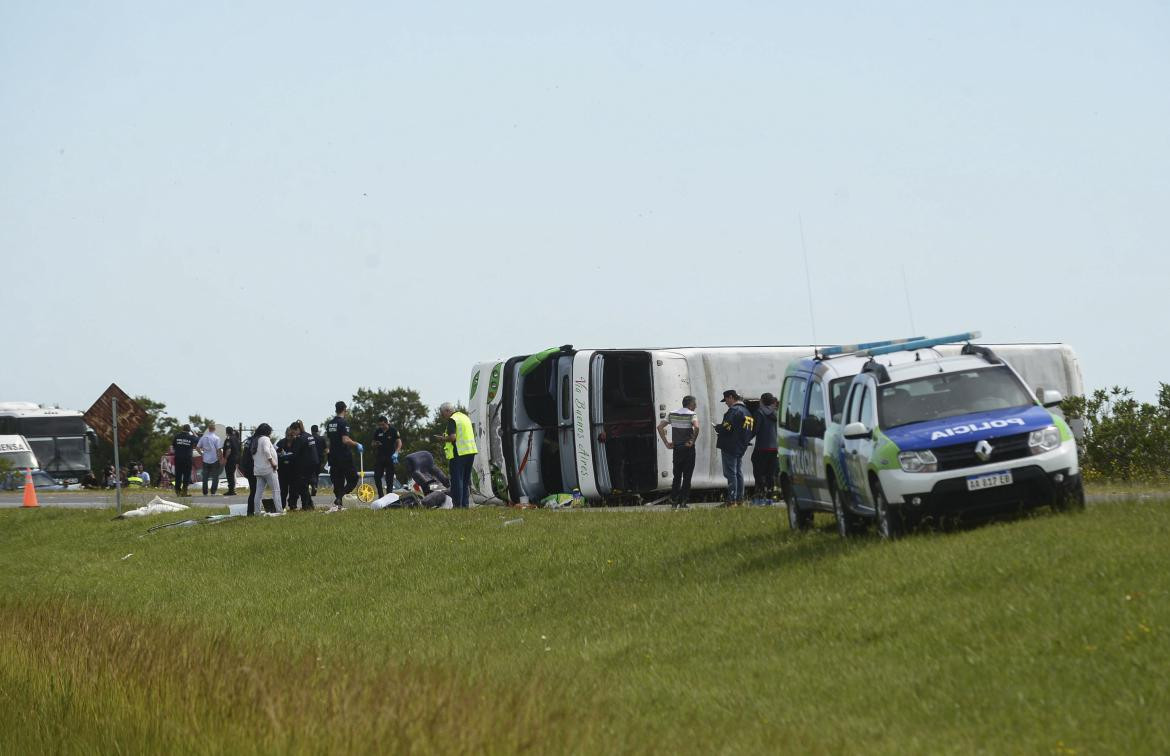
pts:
[845, 348]
[919, 344]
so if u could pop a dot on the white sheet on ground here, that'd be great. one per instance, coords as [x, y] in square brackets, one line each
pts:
[386, 501]
[156, 506]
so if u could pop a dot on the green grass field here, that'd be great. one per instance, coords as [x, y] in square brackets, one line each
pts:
[697, 631]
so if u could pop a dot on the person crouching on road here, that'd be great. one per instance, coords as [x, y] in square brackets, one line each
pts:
[735, 434]
[459, 447]
[684, 431]
[341, 469]
[264, 467]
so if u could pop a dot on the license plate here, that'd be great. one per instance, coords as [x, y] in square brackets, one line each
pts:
[989, 480]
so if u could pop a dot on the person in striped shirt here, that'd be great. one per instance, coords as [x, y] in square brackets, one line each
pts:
[684, 432]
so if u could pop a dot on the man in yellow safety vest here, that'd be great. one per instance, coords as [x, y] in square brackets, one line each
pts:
[459, 448]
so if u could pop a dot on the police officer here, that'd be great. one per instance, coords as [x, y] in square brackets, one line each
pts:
[305, 463]
[322, 447]
[341, 469]
[386, 447]
[284, 466]
[231, 458]
[459, 448]
[183, 444]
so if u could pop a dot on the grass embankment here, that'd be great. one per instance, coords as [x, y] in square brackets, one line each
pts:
[577, 631]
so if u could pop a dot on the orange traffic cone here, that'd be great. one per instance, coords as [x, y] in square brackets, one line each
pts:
[30, 491]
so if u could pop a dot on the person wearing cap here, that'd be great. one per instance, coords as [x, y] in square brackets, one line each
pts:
[684, 431]
[734, 435]
[341, 469]
[387, 444]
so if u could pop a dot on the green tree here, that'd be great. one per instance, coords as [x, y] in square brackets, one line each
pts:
[1124, 439]
[401, 406]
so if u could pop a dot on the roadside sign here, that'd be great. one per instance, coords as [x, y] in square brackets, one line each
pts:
[100, 415]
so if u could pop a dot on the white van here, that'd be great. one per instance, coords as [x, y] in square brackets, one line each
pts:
[17, 453]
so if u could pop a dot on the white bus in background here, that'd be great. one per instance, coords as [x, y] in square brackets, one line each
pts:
[59, 438]
[570, 418]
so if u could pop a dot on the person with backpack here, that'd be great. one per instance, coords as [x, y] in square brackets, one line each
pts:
[247, 467]
[764, 454]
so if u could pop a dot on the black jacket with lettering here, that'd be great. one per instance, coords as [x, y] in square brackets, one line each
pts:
[306, 457]
[735, 432]
[183, 444]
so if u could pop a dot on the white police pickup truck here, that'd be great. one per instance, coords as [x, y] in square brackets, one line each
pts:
[949, 437]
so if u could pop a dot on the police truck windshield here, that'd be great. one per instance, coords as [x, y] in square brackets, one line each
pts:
[950, 394]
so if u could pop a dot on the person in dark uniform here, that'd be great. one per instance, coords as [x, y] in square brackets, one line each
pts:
[305, 464]
[322, 447]
[284, 466]
[231, 458]
[386, 447]
[248, 468]
[183, 444]
[341, 469]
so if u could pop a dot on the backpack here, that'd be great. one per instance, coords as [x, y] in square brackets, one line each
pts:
[248, 458]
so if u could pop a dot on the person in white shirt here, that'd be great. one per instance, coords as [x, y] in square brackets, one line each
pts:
[211, 447]
[264, 467]
[684, 431]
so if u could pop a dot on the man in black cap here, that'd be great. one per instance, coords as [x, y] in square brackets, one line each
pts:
[183, 444]
[734, 434]
[341, 469]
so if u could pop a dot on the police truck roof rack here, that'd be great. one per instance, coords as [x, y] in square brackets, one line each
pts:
[984, 352]
[883, 375]
[841, 349]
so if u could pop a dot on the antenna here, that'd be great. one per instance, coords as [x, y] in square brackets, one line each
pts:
[909, 309]
[812, 321]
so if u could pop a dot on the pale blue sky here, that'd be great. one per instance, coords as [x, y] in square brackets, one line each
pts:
[390, 192]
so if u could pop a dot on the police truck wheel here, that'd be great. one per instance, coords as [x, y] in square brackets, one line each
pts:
[847, 525]
[797, 520]
[890, 525]
[1071, 499]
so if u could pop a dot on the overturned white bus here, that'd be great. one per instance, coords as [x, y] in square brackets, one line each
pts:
[568, 418]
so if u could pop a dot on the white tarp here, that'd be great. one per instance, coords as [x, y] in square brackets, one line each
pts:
[156, 506]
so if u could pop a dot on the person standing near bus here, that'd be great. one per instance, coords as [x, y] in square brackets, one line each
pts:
[764, 453]
[684, 431]
[459, 447]
[735, 434]
[341, 469]
[183, 445]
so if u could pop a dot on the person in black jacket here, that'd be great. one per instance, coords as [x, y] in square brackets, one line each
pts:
[735, 434]
[386, 447]
[231, 458]
[284, 469]
[341, 467]
[322, 450]
[183, 444]
[305, 463]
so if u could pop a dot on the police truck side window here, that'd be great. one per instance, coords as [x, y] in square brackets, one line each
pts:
[838, 392]
[793, 403]
[814, 422]
[866, 414]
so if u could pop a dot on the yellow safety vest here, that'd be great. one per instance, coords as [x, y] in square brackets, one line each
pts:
[464, 437]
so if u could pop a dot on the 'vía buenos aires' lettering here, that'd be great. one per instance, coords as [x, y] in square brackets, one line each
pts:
[960, 430]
